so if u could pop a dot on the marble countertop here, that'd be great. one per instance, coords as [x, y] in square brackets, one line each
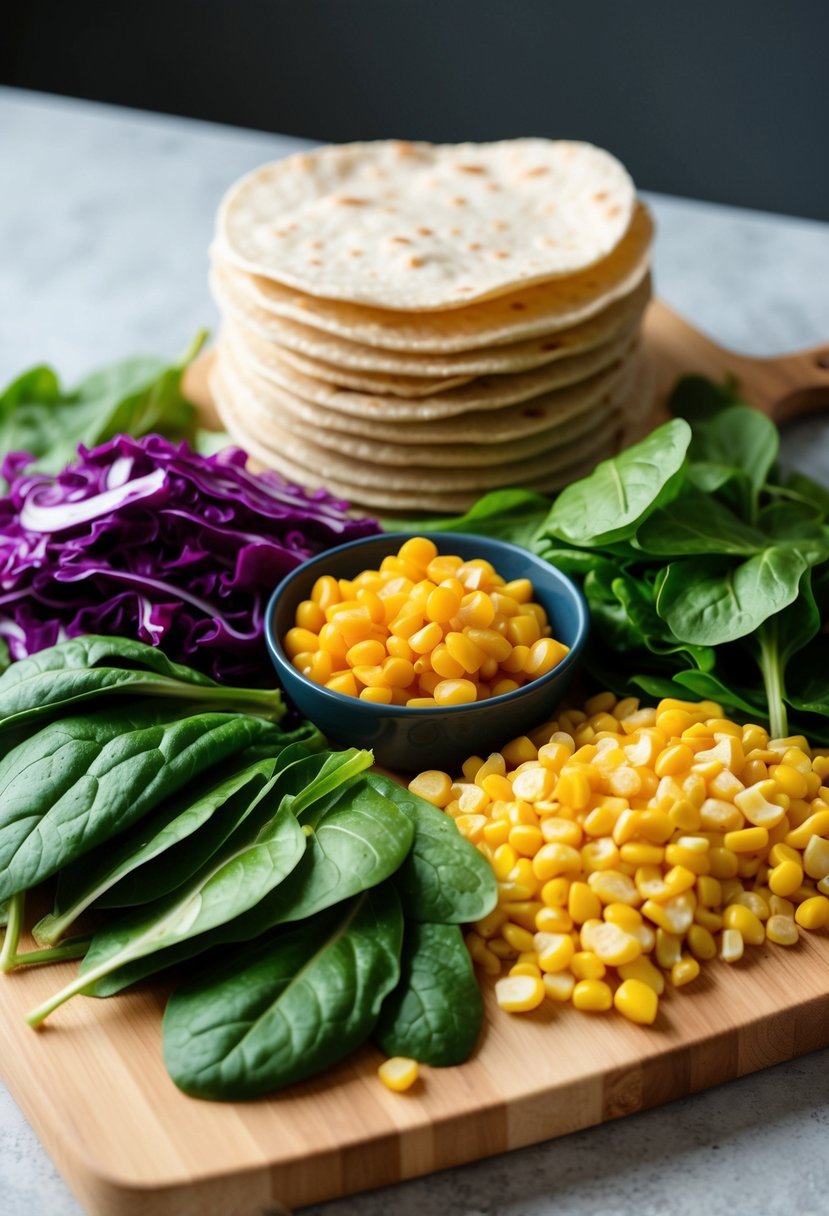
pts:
[105, 219]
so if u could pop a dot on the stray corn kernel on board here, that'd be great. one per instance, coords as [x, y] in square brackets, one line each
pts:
[533, 1076]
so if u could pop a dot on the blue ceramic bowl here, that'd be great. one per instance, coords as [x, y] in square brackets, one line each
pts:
[410, 740]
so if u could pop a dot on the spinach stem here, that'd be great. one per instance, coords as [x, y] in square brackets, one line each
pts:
[14, 927]
[773, 678]
[77, 948]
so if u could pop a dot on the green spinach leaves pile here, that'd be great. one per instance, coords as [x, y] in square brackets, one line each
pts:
[313, 903]
[705, 568]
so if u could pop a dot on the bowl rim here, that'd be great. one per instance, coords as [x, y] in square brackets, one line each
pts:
[338, 699]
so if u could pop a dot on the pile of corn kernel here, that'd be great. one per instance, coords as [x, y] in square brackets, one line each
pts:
[633, 845]
[425, 629]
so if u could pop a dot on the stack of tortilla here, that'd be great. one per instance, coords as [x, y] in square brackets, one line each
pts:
[411, 325]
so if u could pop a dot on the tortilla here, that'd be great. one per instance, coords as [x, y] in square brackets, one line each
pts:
[551, 412]
[422, 226]
[328, 357]
[543, 309]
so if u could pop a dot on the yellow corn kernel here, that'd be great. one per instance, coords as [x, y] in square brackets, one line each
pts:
[503, 861]
[679, 879]
[522, 912]
[556, 830]
[614, 887]
[656, 825]
[778, 906]
[554, 950]
[553, 920]
[674, 915]
[572, 789]
[749, 926]
[554, 859]
[668, 949]
[516, 937]
[533, 783]
[498, 787]
[673, 761]
[813, 913]
[746, 840]
[582, 903]
[519, 993]
[782, 930]
[816, 857]
[623, 914]
[724, 862]
[710, 920]
[525, 968]
[377, 696]
[685, 816]
[785, 878]
[717, 815]
[709, 891]
[789, 780]
[758, 805]
[525, 839]
[482, 955]
[519, 750]
[297, 641]
[685, 971]
[555, 893]
[398, 1073]
[636, 1001]
[650, 883]
[455, 692]
[637, 854]
[612, 944]
[754, 901]
[701, 943]
[731, 945]
[643, 970]
[593, 996]
[544, 654]
[433, 786]
[343, 682]
[558, 985]
[600, 855]
[497, 832]
[586, 965]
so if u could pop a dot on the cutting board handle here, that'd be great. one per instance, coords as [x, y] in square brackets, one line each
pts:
[784, 387]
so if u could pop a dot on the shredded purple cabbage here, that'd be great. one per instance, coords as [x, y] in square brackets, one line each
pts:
[147, 539]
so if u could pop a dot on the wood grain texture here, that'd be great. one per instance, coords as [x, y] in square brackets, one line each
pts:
[94, 1087]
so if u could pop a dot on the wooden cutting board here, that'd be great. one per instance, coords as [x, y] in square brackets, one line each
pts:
[94, 1087]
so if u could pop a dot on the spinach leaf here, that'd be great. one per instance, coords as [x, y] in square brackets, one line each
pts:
[436, 1012]
[82, 780]
[707, 686]
[443, 878]
[709, 600]
[287, 1007]
[189, 828]
[608, 505]
[638, 601]
[137, 396]
[697, 523]
[809, 490]
[63, 677]
[234, 881]
[741, 438]
[355, 839]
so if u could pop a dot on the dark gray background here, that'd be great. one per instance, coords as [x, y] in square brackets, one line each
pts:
[725, 100]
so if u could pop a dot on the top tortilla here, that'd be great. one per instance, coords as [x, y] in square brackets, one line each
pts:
[424, 226]
[526, 313]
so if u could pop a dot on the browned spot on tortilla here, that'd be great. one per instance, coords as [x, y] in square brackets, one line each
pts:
[500, 253]
[405, 148]
[500, 225]
[415, 261]
[355, 253]
[538, 171]
[349, 200]
[551, 344]
[459, 202]
[534, 411]
[517, 306]
[613, 211]
[424, 231]
[400, 240]
[473, 245]
[600, 196]
[314, 262]
[470, 169]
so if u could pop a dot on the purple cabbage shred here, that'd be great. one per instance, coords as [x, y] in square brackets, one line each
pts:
[145, 538]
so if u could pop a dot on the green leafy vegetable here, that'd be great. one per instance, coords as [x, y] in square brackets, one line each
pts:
[136, 396]
[192, 826]
[291, 1005]
[234, 881]
[59, 679]
[444, 878]
[79, 781]
[435, 1013]
[699, 561]
[606, 506]
[514, 515]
